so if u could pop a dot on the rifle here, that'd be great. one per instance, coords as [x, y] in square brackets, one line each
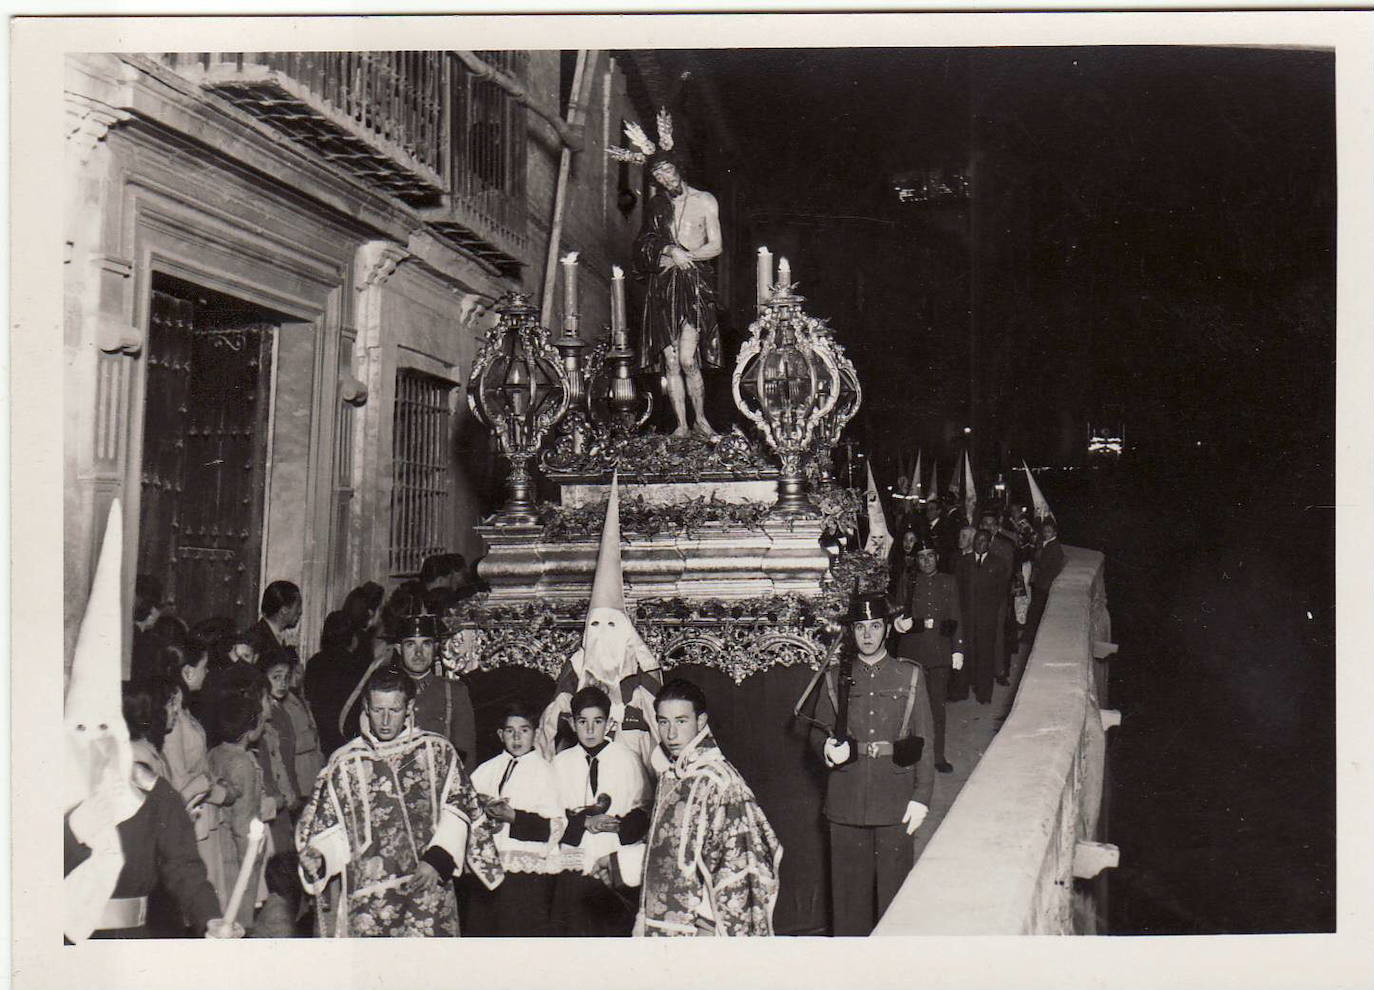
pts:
[845, 681]
[844, 684]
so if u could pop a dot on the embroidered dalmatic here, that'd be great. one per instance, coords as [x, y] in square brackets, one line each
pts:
[380, 807]
[711, 867]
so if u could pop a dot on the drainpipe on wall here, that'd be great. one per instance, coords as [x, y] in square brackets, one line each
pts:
[583, 76]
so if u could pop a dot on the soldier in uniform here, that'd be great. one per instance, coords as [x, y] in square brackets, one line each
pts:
[928, 621]
[880, 779]
[442, 704]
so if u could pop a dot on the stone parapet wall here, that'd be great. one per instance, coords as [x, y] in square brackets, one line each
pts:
[1002, 860]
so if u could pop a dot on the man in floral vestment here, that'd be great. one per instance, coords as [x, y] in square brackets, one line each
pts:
[711, 865]
[395, 817]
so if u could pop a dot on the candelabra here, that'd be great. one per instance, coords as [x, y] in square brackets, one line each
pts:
[627, 406]
[786, 381]
[847, 401]
[519, 388]
[574, 424]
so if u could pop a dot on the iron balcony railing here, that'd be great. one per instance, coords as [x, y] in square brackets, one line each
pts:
[418, 125]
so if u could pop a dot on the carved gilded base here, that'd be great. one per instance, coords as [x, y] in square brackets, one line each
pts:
[717, 561]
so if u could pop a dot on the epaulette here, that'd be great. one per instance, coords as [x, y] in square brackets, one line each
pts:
[634, 719]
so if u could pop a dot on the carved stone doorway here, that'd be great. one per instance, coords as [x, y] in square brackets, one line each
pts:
[205, 440]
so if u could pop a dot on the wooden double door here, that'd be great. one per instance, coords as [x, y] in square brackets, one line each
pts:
[205, 444]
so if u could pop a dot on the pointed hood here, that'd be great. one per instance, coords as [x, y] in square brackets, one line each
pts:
[612, 649]
[970, 490]
[97, 755]
[608, 585]
[879, 536]
[93, 711]
[1042, 508]
[916, 476]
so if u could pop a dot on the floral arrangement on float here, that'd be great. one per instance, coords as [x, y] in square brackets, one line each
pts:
[838, 507]
[656, 457]
[645, 520]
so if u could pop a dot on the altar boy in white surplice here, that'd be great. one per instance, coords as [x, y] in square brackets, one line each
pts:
[518, 790]
[606, 796]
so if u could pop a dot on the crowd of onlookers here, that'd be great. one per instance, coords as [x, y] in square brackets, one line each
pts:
[1002, 565]
[240, 727]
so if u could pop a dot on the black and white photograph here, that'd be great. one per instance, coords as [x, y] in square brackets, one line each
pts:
[811, 478]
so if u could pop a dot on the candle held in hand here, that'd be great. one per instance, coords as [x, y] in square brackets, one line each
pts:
[256, 834]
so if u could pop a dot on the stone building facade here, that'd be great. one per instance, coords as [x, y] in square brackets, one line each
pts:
[278, 270]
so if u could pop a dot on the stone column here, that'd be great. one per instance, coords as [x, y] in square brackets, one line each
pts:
[374, 364]
[100, 346]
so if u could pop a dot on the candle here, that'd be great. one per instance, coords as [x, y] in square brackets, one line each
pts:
[569, 263]
[617, 306]
[784, 272]
[765, 275]
[256, 835]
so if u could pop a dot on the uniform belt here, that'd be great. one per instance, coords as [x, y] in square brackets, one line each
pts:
[123, 912]
[876, 748]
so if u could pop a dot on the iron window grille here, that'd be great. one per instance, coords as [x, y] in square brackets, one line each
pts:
[422, 487]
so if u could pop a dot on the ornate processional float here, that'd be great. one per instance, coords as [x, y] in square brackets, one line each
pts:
[724, 559]
[729, 545]
[727, 550]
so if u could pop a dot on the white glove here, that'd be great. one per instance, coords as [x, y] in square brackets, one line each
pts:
[915, 814]
[957, 661]
[220, 928]
[835, 752]
[902, 624]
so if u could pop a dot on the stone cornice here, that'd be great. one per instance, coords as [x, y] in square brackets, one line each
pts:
[376, 262]
[88, 120]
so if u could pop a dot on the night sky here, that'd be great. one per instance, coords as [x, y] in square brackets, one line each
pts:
[1150, 243]
[1150, 239]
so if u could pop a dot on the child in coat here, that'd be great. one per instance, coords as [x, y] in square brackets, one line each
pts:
[240, 722]
[297, 737]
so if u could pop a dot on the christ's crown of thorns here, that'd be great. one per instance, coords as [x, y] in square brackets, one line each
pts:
[643, 146]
